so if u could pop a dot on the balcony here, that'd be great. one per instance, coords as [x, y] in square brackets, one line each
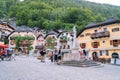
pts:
[63, 41]
[100, 35]
[23, 45]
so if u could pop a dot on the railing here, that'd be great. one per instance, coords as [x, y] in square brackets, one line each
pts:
[100, 34]
[23, 45]
[63, 41]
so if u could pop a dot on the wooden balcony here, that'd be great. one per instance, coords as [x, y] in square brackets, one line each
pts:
[23, 45]
[63, 41]
[100, 35]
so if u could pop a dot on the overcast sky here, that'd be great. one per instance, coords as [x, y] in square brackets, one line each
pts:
[113, 2]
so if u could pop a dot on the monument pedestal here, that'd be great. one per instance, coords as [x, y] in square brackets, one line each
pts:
[74, 55]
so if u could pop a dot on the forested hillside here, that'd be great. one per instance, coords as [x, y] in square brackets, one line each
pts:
[55, 14]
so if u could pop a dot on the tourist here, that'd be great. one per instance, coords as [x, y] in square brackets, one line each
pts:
[42, 53]
[55, 55]
[2, 54]
[59, 57]
[51, 56]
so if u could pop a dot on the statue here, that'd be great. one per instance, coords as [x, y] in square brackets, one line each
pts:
[74, 37]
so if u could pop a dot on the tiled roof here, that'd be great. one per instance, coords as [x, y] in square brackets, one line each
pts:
[106, 22]
[91, 24]
[23, 29]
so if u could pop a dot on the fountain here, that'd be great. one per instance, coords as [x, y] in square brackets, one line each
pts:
[74, 55]
[74, 46]
[74, 58]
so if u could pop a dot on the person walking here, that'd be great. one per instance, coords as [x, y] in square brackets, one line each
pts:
[55, 55]
[42, 53]
[52, 56]
[59, 57]
[2, 54]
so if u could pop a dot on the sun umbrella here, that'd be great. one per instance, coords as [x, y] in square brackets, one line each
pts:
[3, 46]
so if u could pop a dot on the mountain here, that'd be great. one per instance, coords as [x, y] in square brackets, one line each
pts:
[57, 14]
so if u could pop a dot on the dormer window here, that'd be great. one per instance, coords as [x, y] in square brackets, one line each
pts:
[82, 35]
[88, 34]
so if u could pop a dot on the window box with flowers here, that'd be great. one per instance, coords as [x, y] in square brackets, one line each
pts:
[95, 44]
[83, 45]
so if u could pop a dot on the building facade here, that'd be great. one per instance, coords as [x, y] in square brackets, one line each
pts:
[102, 40]
[5, 30]
[23, 44]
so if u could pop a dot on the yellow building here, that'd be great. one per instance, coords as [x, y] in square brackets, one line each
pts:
[102, 40]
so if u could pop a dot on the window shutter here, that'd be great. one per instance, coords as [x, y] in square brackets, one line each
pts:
[111, 42]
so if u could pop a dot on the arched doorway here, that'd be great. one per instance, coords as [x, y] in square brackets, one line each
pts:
[115, 55]
[95, 56]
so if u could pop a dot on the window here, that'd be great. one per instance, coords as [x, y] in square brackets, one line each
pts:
[115, 29]
[95, 44]
[115, 43]
[107, 54]
[88, 34]
[95, 31]
[105, 29]
[53, 37]
[100, 53]
[12, 42]
[81, 35]
[82, 45]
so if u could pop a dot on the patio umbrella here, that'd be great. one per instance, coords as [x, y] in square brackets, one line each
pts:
[3, 46]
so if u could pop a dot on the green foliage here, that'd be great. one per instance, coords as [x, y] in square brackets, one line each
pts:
[6, 40]
[50, 43]
[21, 38]
[57, 14]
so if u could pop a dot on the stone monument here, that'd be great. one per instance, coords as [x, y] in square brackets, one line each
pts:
[74, 55]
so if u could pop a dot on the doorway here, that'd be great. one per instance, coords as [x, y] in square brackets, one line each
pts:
[95, 56]
[115, 55]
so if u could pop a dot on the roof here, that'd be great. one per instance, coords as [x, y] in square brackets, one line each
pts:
[106, 22]
[7, 25]
[52, 32]
[23, 29]
[61, 33]
[39, 36]
[90, 24]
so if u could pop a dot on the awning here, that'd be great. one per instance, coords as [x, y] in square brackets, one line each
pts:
[3, 46]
